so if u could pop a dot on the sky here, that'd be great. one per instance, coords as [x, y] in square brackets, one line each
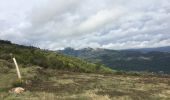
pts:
[110, 24]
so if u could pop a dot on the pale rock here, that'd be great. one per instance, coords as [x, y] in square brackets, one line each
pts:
[17, 90]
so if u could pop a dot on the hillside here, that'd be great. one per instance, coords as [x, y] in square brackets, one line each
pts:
[125, 60]
[53, 84]
[29, 56]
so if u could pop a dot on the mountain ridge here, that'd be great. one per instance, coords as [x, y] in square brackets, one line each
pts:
[145, 50]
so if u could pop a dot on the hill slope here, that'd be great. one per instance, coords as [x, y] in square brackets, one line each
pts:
[28, 56]
[125, 60]
[52, 84]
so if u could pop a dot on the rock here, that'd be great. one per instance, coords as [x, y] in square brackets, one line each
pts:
[28, 82]
[17, 90]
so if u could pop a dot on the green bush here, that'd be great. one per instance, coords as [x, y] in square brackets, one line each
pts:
[18, 83]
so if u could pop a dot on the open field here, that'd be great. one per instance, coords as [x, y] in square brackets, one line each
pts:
[48, 84]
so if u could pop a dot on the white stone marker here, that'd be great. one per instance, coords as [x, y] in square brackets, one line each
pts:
[17, 68]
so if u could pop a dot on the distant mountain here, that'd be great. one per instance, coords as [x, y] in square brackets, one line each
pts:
[128, 60]
[159, 49]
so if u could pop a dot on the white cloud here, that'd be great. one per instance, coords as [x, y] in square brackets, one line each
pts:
[100, 19]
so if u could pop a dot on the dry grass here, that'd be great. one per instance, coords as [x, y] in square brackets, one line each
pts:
[59, 85]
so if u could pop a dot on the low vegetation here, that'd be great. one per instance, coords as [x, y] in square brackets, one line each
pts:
[50, 84]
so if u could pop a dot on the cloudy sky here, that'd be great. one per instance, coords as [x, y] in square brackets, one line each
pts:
[113, 24]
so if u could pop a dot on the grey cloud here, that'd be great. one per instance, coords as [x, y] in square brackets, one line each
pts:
[110, 24]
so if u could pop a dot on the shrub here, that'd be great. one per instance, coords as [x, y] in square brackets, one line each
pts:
[18, 83]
